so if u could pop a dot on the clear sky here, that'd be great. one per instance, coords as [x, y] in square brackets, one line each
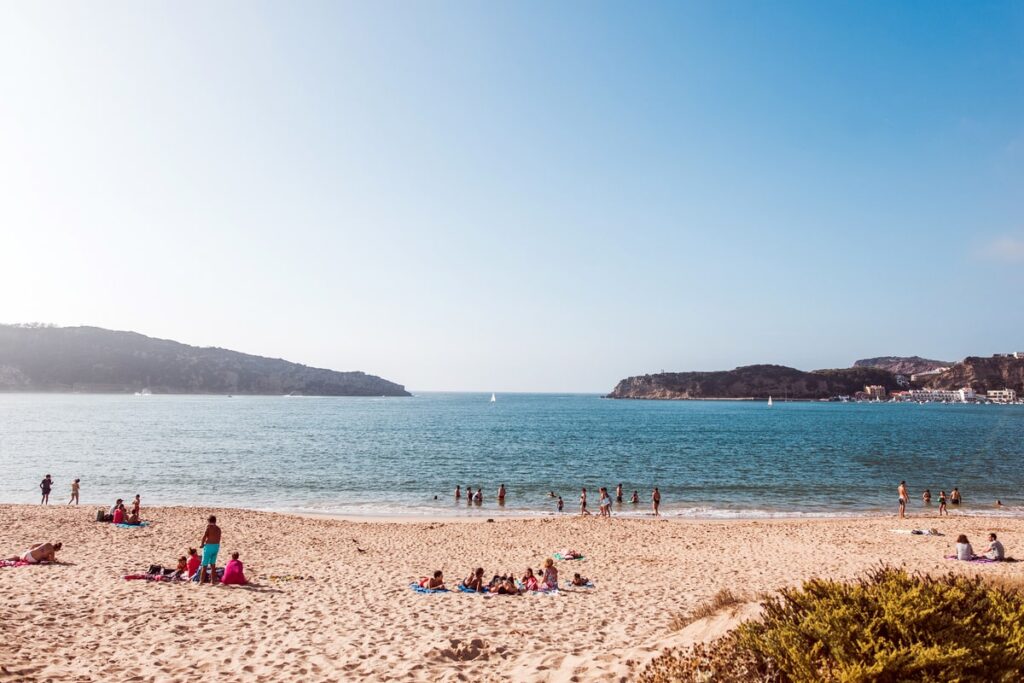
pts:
[519, 196]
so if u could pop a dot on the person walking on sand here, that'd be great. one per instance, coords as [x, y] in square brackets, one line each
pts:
[656, 501]
[211, 546]
[74, 492]
[45, 485]
[902, 491]
[583, 502]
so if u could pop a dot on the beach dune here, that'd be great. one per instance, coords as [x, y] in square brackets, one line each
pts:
[354, 617]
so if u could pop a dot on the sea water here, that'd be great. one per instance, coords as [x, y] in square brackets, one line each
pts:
[404, 456]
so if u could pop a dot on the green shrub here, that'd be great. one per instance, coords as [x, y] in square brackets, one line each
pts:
[890, 626]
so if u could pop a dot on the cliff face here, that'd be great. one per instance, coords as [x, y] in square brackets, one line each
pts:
[902, 365]
[753, 381]
[982, 374]
[91, 359]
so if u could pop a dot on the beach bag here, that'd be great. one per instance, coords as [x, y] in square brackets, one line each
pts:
[101, 515]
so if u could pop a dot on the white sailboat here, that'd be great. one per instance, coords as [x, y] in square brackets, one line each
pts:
[493, 398]
[769, 401]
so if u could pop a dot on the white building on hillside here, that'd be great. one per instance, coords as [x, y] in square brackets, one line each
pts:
[1002, 395]
[942, 395]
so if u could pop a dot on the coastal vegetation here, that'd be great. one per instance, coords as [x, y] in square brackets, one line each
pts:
[888, 626]
[92, 359]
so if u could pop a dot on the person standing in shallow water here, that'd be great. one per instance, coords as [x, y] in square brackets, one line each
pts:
[45, 485]
[656, 501]
[904, 496]
[618, 493]
[583, 502]
[74, 492]
[458, 492]
[501, 495]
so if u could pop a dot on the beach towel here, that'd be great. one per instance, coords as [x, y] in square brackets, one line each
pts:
[150, 577]
[559, 556]
[420, 589]
[570, 586]
[976, 558]
[131, 526]
[463, 589]
[14, 563]
[918, 532]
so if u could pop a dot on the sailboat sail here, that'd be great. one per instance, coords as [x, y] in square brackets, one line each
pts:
[493, 398]
[769, 401]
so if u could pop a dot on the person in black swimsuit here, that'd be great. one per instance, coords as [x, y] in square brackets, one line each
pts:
[45, 485]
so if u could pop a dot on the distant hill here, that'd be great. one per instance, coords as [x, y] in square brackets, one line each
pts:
[982, 374]
[753, 381]
[903, 365]
[92, 359]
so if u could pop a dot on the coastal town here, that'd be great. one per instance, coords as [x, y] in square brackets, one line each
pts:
[965, 394]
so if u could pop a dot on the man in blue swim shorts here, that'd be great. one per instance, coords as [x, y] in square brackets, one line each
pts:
[211, 546]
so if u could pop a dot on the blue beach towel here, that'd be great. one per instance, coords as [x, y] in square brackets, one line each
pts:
[420, 589]
[558, 556]
[463, 589]
[132, 526]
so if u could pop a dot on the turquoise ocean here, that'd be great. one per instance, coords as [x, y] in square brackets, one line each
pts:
[377, 456]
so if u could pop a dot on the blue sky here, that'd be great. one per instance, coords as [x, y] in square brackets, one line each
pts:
[519, 196]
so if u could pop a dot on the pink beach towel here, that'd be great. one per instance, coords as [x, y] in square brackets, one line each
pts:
[13, 563]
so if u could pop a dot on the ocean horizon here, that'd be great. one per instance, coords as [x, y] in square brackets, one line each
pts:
[390, 457]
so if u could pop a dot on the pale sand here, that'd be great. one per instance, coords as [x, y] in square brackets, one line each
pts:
[357, 618]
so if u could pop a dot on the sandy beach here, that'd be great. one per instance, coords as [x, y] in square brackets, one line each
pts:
[355, 618]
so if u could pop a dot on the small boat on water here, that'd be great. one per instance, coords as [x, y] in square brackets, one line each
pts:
[769, 401]
[493, 398]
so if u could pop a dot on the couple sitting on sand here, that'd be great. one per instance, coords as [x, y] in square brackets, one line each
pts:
[40, 553]
[995, 550]
[506, 585]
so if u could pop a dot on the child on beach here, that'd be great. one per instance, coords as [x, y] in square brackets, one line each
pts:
[74, 492]
[583, 502]
[578, 580]
[181, 571]
[435, 582]
[530, 582]
[550, 581]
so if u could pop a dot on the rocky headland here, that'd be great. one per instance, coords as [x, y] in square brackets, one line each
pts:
[95, 360]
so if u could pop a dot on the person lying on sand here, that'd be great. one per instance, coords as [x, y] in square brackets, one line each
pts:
[964, 551]
[995, 549]
[578, 580]
[550, 580]
[504, 585]
[475, 581]
[529, 580]
[39, 553]
[435, 582]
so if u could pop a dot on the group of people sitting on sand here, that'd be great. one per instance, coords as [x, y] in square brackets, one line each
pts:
[543, 580]
[119, 514]
[994, 552]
